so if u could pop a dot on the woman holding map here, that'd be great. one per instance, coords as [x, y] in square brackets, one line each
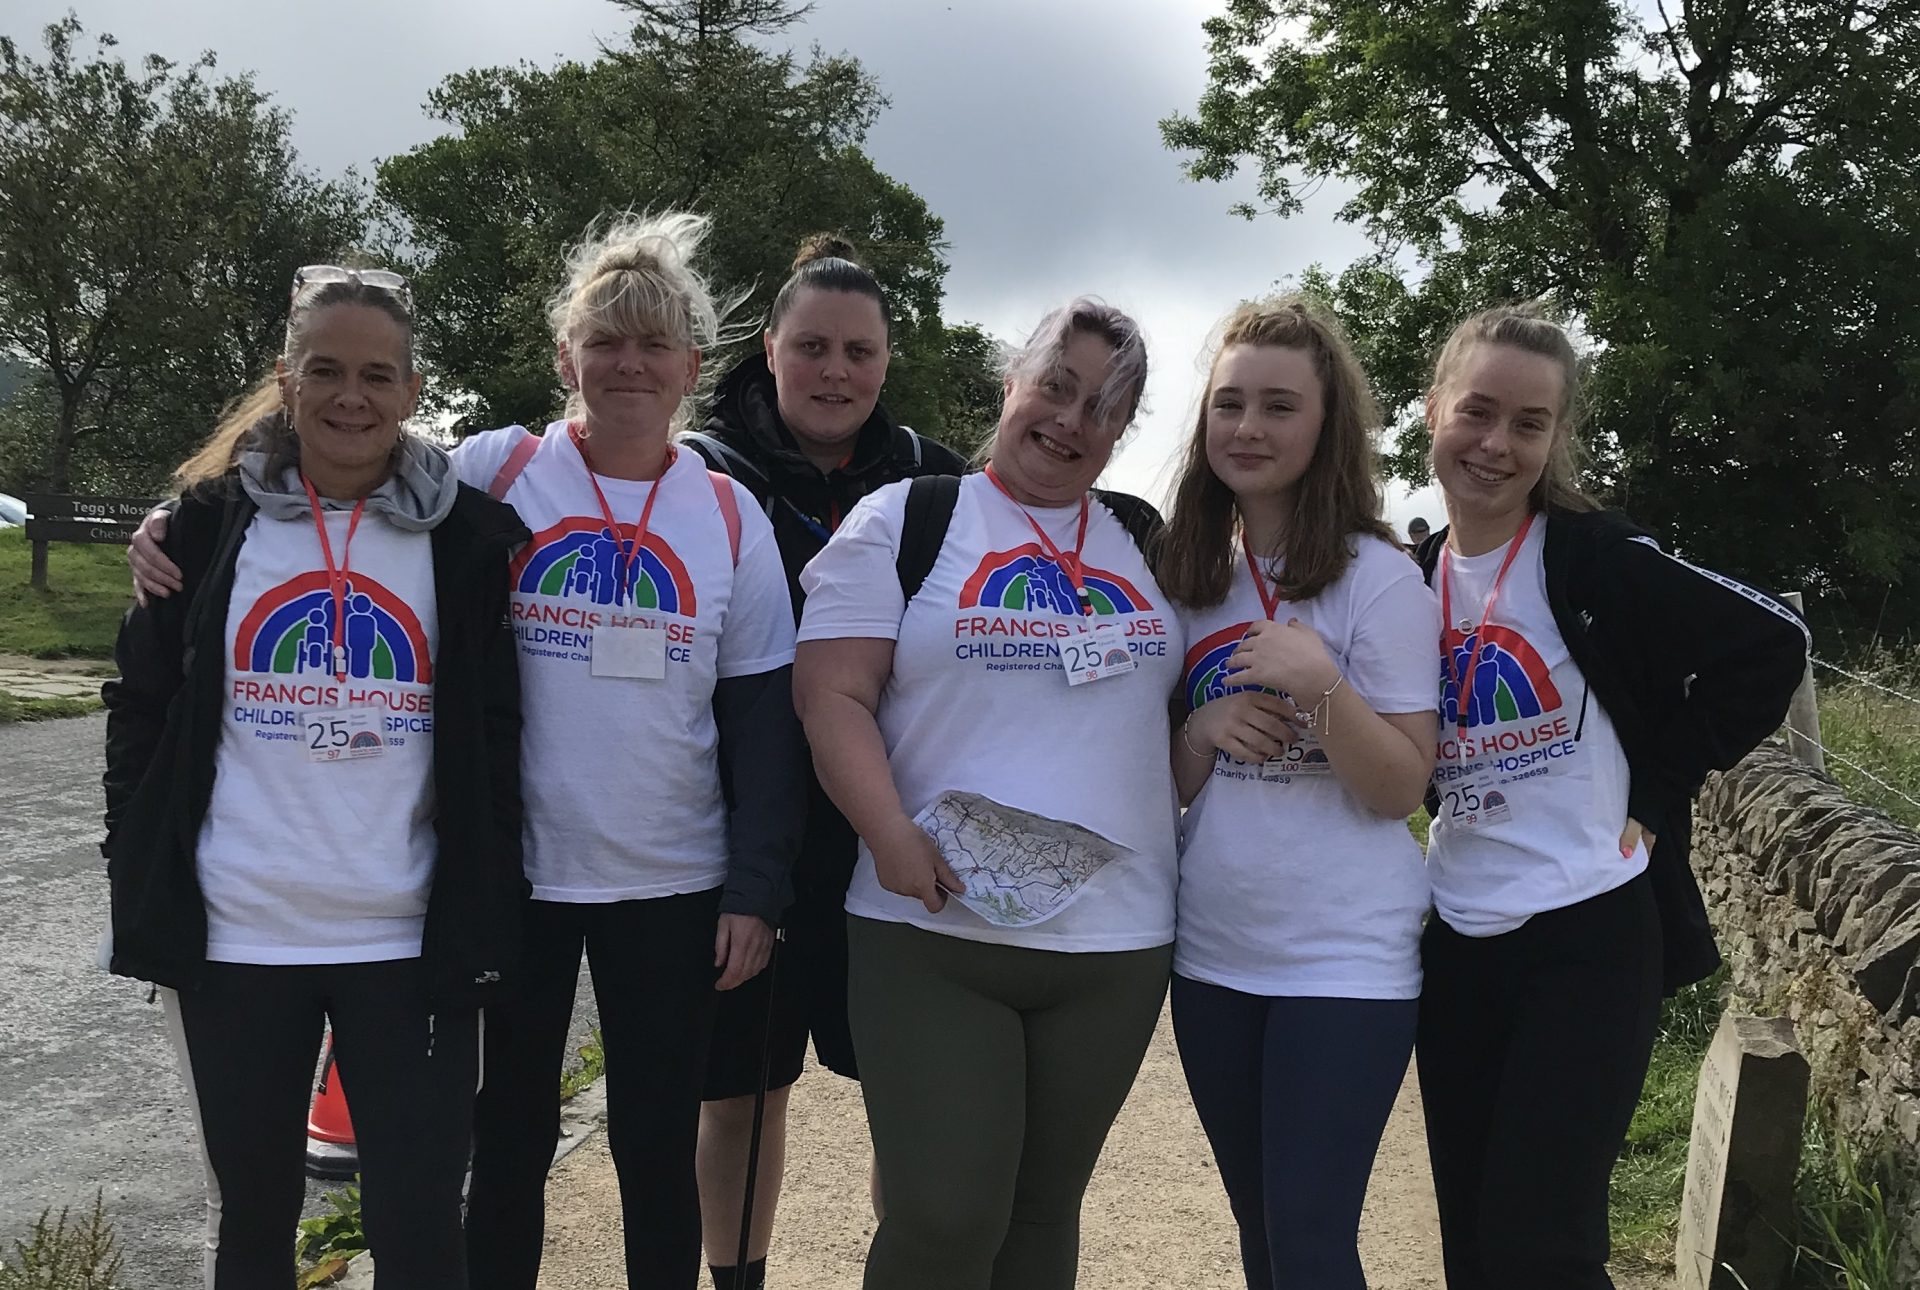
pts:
[989, 659]
[1589, 683]
[1307, 711]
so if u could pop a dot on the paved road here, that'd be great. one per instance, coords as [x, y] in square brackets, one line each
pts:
[90, 1096]
[89, 1093]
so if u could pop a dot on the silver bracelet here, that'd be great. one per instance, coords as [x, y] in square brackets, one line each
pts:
[1185, 739]
[1312, 717]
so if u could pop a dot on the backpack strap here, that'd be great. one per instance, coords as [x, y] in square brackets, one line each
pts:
[931, 500]
[1138, 517]
[729, 511]
[515, 463]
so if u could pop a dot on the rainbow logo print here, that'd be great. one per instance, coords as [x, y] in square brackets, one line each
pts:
[1024, 579]
[1510, 681]
[580, 560]
[289, 631]
[1205, 676]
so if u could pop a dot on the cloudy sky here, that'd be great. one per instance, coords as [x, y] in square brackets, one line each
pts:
[1029, 125]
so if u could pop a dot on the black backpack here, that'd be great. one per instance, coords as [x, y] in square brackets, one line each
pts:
[930, 503]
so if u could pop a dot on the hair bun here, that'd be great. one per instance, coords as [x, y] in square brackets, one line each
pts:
[824, 246]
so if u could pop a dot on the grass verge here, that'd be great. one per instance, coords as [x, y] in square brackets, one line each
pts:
[1652, 1169]
[1882, 734]
[78, 615]
[14, 707]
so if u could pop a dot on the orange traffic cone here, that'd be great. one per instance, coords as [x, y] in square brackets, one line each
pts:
[331, 1152]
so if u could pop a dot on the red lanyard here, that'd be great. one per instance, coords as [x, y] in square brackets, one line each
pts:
[1463, 684]
[833, 512]
[1269, 600]
[336, 578]
[1069, 564]
[629, 553]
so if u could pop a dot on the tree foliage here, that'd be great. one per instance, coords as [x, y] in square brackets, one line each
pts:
[1720, 194]
[151, 218]
[688, 113]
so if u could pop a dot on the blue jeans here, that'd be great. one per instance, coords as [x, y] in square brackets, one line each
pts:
[1294, 1093]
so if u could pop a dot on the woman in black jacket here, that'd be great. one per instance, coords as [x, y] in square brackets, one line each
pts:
[313, 790]
[1589, 681]
[801, 426]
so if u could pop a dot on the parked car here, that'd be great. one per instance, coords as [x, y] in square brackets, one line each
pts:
[13, 511]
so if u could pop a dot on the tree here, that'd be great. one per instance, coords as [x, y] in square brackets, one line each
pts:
[1723, 200]
[686, 114]
[150, 222]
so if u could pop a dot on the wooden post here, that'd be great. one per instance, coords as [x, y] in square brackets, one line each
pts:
[39, 565]
[1803, 714]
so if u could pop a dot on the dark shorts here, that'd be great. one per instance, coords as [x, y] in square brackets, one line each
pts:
[808, 984]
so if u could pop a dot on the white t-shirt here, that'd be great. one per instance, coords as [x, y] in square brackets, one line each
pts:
[1533, 795]
[1288, 885]
[620, 775]
[977, 701]
[323, 862]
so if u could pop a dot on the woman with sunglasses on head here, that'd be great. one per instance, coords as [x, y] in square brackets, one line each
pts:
[1306, 741]
[1589, 681]
[665, 771]
[313, 804]
[800, 424]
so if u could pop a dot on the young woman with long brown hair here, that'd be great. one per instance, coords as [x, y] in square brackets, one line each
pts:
[1304, 740]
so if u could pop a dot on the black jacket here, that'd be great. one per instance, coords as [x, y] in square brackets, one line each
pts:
[1694, 670]
[163, 726]
[804, 502]
[744, 437]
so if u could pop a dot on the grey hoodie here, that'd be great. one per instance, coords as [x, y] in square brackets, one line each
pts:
[416, 497]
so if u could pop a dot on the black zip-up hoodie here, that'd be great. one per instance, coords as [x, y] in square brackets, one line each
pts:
[1693, 668]
[745, 437]
[163, 726]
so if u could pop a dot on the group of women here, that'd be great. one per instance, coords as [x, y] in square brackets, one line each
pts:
[296, 837]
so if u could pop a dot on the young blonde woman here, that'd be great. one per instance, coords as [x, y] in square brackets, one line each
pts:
[1589, 681]
[1306, 723]
[313, 803]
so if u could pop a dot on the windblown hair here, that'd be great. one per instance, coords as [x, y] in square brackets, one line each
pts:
[828, 262]
[1526, 327]
[1336, 500]
[635, 275]
[1126, 381]
[257, 419]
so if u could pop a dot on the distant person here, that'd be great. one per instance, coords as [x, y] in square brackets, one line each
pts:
[1417, 533]
[271, 890]
[1565, 906]
[994, 1058]
[1307, 709]
[799, 422]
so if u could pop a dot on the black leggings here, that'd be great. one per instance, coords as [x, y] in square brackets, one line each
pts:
[248, 1039]
[1533, 1046]
[653, 978]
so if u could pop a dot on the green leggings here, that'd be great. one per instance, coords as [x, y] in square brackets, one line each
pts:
[991, 1074]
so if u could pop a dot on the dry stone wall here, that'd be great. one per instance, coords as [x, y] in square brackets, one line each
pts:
[1816, 900]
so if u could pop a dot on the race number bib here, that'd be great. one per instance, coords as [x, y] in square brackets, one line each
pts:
[342, 734]
[1094, 653]
[1466, 807]
[636, 652]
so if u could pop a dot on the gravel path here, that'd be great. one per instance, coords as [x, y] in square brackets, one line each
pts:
[1155, 1215]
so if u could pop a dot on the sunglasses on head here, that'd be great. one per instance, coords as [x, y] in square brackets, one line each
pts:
[315, 275]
